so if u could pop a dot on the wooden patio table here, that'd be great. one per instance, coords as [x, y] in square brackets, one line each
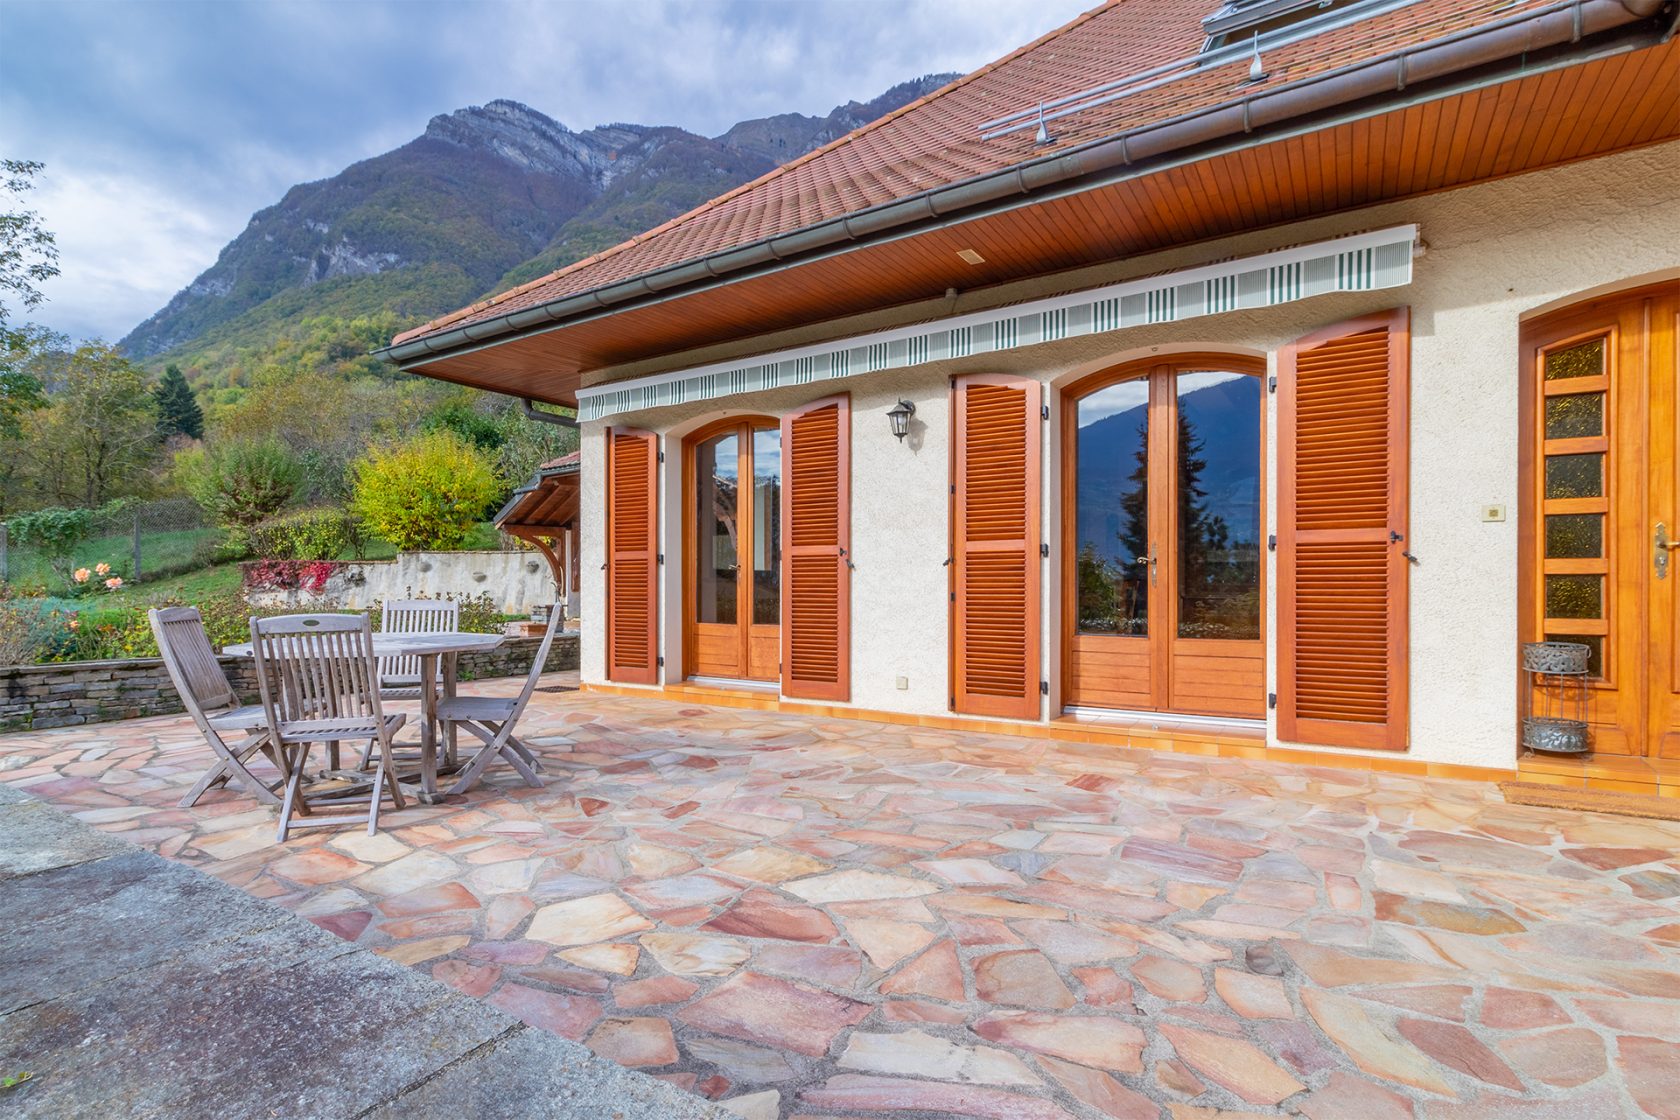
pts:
[435, 651]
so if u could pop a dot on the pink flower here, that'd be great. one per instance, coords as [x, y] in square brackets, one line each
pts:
[114, 582]
[81, 575]
[102, 569]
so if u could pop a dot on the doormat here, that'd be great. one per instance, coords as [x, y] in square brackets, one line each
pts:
[1591, 800]
[558, 688]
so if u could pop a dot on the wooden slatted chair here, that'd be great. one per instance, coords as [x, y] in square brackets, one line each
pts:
[213, 704]
[320, 684]
[399, 677]
[492, 719]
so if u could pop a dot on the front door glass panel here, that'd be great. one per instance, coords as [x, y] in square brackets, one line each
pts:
[717, 521]
[1218, 509]
[1112, 510]
[767, 527]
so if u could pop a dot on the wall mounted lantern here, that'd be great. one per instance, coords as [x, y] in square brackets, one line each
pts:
[899, 417]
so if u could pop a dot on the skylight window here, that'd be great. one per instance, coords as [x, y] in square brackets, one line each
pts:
[1238, 21]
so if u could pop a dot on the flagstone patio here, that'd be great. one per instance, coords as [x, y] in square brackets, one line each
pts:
[815, 917]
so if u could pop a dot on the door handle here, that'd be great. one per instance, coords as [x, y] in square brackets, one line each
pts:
[1663, 547]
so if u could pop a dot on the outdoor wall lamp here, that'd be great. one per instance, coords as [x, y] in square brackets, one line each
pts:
[899, 417]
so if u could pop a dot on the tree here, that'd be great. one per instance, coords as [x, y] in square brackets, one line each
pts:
[28, 252]
[424, 493]
[242, 482]
[97, 437]
[178, 411]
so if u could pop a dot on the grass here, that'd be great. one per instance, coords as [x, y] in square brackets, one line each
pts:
[28, 567]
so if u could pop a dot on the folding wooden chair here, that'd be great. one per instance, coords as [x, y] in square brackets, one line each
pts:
[213, 704]
[399, 677]
[320, 684]
[491, 720]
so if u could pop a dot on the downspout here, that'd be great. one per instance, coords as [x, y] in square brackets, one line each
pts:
[1118, 157]
[532, 412]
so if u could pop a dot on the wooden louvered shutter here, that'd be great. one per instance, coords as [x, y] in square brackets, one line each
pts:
[632, 556]
[995, 558]
[816, 543]
[1342, 576]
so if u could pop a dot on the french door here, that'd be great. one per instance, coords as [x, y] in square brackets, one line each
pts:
[1163, 539]
[1601, 485]
[733, 553]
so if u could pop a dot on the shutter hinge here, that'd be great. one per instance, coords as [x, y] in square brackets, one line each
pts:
[953, 488]
[662, 558]
[953, 703]
[1044, 688]
[661, 456]
[661, 661]
[953, 596]
[1271, 699]
[1271, 384]
[1044, 412]
[1271, 543]
[1044, 551]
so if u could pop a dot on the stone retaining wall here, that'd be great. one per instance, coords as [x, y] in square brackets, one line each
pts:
[35, 697]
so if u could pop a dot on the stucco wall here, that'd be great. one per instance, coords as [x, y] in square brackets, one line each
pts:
[1495, 254]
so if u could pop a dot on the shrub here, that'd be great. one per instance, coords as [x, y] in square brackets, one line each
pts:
[56, 532]
[423, 493]
[309, 534]
[288, 575]
[240, 484]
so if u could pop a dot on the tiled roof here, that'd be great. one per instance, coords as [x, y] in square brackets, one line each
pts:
[571, 459]
[936, 141]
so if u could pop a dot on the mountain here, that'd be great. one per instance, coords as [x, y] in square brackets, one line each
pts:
[488, 197]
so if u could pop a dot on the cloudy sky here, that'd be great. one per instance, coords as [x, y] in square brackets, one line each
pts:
[165, 123]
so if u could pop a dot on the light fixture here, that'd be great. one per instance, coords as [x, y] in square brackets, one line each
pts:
[971, 256]
[899, 417]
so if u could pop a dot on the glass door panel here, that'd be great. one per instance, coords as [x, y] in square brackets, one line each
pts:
[1218, 506]
[716, 513]
[1112, 510]
[764, 638]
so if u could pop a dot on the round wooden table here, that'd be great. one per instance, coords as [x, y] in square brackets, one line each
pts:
[436, 653]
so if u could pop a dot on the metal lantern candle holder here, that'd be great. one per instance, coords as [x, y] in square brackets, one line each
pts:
[1555, 715]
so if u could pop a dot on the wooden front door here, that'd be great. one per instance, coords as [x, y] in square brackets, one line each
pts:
[733, 561]
[1601, 486]
[1163, 539]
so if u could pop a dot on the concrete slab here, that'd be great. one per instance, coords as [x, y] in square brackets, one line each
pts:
[130, 986]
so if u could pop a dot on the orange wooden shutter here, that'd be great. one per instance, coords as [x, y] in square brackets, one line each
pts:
[1342, 577]
[816, 542]
[995, 557]
[632, 556]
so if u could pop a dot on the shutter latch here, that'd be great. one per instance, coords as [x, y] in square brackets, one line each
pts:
[1271, 384]
[1271, 543]
[662, 558]
[848, 560]
[1396, 538]
[1271, 699]
[1044, 688]
[1044, 412]
[1044, 551]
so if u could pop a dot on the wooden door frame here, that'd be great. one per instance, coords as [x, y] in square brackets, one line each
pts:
[1625, 499]
[743, 542]
[1162, 410]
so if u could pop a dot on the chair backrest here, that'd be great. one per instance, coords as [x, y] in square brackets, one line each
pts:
[316, 666]
[191, 661]
[554, 624]
[415, 616]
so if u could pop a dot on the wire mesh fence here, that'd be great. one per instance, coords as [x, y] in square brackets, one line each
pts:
[135, 541]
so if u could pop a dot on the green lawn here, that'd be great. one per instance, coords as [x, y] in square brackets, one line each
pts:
[28, 567]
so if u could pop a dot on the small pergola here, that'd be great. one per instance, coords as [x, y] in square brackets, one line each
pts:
[543, 513]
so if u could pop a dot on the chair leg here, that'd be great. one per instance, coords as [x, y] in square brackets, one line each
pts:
[230, 767]
[511, 753]
[294, 786]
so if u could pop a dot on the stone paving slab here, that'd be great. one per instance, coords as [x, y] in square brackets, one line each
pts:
[130, 986]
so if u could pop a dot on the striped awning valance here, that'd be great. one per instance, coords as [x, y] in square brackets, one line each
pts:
[1362, 262]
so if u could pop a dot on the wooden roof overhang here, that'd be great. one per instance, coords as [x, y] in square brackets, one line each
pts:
[544, 509]
[1538, 110]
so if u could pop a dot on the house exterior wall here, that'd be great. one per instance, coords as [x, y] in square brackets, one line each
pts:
[1495, 254]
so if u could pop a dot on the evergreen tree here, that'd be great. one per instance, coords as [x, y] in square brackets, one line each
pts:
[178, 411]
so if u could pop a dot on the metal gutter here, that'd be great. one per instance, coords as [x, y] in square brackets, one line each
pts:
[1228, 127]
